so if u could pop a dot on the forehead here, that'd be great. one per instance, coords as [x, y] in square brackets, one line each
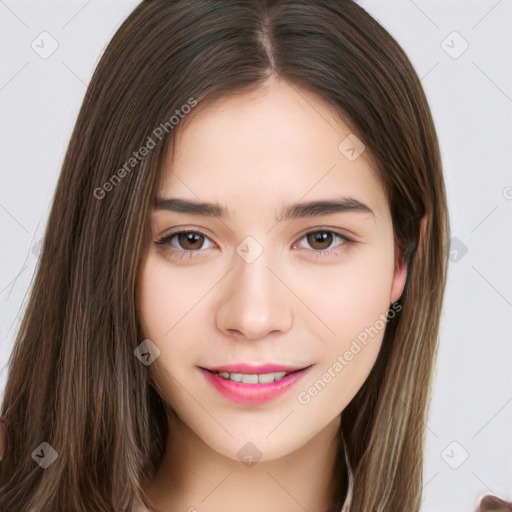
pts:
[271, 146]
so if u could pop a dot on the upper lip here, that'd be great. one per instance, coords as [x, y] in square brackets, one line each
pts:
[250, 369]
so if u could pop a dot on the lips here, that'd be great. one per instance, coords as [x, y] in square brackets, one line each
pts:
[253, 384]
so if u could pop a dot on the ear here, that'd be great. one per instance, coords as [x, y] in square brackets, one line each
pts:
[400, 275]
[399, 279]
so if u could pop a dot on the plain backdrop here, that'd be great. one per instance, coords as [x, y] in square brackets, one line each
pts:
[462, 51]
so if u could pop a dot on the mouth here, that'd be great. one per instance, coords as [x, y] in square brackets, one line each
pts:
[250, 384]
[252, 376]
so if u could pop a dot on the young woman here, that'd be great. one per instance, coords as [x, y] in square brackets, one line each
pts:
[238, 299]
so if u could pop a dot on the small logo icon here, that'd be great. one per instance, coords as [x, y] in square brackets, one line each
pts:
[36, 248]
[44, 455]
[457, 250]
[44, 45]
[351, 147]
[249, 455]
[249, 249]
[147, 352]
[455, 455]
[454, 45]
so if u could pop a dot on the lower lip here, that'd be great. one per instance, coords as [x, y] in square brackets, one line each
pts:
[253, 393]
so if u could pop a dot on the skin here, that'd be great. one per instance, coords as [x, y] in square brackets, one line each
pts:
[255, 154]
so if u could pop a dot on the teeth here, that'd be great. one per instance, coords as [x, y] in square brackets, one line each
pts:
[263, 378]
[250, 379]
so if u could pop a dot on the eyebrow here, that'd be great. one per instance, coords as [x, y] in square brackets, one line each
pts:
[294, 211]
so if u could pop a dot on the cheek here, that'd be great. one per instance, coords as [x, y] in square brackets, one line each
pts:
[352, 300]
[171, 306]
[163, 303]
[354, 307]
[154, 301]
[166, 297]
[347, 297]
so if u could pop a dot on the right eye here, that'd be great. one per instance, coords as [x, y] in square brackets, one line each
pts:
[183, 243]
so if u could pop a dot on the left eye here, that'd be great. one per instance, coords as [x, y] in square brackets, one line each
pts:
[188, 243]
[315, 238]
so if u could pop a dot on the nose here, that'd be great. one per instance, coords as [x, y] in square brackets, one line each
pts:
[254, 302]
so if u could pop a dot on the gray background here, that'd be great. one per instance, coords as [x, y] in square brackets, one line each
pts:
[469, 446]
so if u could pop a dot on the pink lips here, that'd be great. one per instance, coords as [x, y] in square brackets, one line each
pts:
[242, 393]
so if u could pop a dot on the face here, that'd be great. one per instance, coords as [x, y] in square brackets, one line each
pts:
[248, 291]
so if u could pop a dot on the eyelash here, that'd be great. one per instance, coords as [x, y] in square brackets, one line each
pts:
[183, 253]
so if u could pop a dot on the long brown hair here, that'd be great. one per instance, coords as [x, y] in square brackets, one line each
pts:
[74, 381]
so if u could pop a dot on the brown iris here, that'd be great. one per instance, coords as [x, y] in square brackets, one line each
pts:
[320, 237]
[195, 239]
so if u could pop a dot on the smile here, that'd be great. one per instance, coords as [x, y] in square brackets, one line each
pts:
[255, 378]
[253, 388]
